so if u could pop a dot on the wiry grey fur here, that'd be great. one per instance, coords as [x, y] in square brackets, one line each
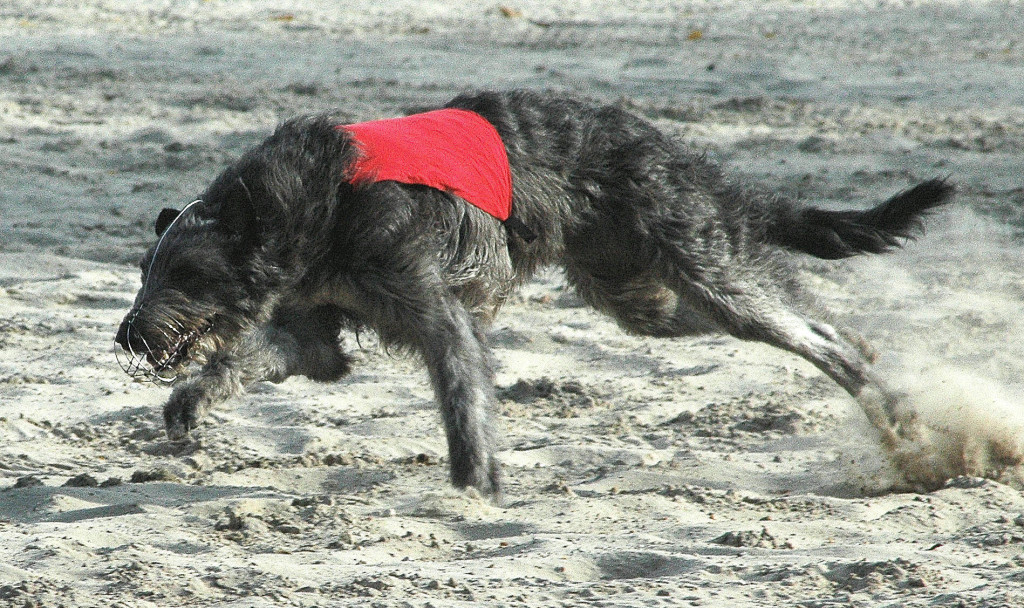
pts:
[259, 279]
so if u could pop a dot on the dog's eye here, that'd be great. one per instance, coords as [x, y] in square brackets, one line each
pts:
[186, 278]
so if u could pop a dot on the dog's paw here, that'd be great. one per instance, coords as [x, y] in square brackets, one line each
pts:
[494, 481]
[484, 477]
[183, 411]
[326, 363]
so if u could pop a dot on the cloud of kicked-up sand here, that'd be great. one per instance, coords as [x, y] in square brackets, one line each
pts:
[962, 424]
[947, 314]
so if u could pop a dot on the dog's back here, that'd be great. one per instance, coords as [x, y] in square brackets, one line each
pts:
[571, 159]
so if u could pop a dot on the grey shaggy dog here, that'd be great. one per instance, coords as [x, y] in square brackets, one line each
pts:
[258, 277]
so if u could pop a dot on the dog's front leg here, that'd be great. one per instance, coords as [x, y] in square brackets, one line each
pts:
[271, 353]
[192, 399]
[432, 321]
[458, 365]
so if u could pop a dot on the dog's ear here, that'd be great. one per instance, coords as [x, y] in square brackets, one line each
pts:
[236, 213]
[164, 220]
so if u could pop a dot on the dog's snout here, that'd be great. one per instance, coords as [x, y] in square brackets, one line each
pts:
[130, 341]
[122, 335]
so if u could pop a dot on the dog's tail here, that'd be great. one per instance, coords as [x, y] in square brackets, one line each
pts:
[840, 234]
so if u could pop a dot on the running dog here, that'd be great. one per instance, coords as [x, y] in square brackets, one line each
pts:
[420, 227]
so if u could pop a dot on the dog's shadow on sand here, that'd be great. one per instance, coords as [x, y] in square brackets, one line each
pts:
[67, 504]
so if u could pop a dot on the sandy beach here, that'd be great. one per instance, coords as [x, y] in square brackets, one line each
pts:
[640, 472]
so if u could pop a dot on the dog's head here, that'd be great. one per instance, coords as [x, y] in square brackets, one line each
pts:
[204, 283]
[220, 265]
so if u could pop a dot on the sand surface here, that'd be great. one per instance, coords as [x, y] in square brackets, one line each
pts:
[698, 472]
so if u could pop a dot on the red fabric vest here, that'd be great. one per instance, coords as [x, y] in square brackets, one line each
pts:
[453, 150]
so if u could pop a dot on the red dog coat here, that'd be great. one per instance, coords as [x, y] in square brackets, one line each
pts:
[453, 150]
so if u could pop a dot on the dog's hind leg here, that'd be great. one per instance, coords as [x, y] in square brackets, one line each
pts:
[641, 305]
[747, 301]
[781, 324]
[646, 307]
[754, 307]
[294, 343]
